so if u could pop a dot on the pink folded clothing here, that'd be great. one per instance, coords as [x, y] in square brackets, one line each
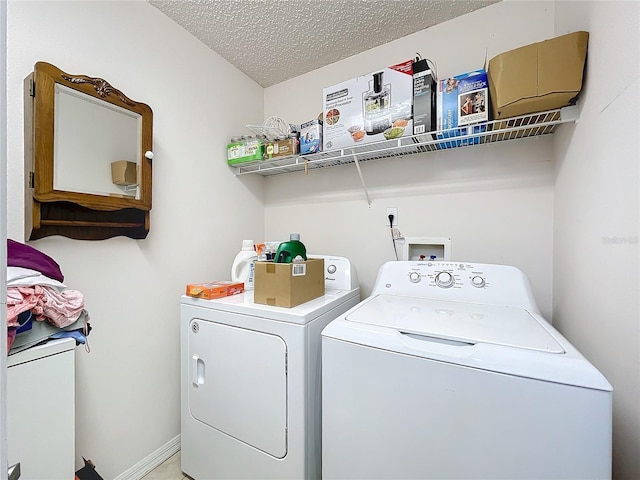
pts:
[62, 308]
[59, 308]
[21, 299]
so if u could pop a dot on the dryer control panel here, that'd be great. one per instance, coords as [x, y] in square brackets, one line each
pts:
[339, 273]
[456, 281]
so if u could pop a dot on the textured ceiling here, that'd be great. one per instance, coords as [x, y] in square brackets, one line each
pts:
[274, 40]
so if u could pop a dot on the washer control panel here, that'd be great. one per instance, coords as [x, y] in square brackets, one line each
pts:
[457, 281]
[447, 274]
[445, 279]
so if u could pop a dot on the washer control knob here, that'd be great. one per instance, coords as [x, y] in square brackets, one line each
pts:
[414, 277]
[478, 281]
[445, 280]
[331, 269]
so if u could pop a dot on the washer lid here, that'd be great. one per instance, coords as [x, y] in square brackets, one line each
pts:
[457, 321]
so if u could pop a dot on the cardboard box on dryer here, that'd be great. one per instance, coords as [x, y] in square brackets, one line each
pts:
[538, 77]
[369, 108]
[288, 284]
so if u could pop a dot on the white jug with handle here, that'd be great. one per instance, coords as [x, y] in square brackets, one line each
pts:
[243, 267]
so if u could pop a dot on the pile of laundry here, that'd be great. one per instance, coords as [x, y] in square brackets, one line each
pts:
[39, 306]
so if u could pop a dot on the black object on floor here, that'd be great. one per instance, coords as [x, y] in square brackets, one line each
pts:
[88, 472]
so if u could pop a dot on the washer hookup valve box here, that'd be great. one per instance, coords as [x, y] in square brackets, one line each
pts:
[288, 284]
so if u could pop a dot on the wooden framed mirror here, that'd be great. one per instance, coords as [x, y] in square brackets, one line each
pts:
[88, 154]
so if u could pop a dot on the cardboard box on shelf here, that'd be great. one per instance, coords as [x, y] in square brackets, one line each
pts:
[288, 284]
[538, 77]
[124, 173]
[369, 108]
[218, 289]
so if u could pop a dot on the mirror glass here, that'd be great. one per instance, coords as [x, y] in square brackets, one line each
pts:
[90, 134]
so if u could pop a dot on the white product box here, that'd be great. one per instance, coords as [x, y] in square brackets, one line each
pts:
[311, 137]
[369, 108]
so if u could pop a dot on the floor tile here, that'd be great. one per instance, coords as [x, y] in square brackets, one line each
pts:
[168, 470]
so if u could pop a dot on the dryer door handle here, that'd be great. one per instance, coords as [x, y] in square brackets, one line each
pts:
[197, 370]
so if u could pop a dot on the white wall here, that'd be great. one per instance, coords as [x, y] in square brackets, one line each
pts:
[127, 387]
[497, 202]
[494, 201]
[597, 214]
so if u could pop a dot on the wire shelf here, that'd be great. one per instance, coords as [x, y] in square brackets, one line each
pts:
[532, 125]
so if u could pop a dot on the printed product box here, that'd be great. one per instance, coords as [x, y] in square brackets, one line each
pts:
[369, 108]
[311, 137]
[471, 135]
[240, 152]
[288, 284]
[424, 98]
[282, 148]
[124, 173]
[538, 77]
[219, 289]
[462, 101]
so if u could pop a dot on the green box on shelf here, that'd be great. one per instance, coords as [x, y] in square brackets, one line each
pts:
[238, 152]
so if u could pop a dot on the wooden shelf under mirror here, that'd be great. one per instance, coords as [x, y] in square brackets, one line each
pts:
[76, 127]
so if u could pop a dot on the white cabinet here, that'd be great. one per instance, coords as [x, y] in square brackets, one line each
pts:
[41, 411]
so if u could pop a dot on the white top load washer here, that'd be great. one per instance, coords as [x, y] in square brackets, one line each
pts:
[250, 381]
[448, 370]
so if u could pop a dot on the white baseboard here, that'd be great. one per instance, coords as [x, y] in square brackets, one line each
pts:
[147, 464]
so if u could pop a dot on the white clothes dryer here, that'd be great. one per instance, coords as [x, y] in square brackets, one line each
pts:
[448, 370]
[250, 381]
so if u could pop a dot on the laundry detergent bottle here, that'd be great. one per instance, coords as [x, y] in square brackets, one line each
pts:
[243, 267]
[293, 250]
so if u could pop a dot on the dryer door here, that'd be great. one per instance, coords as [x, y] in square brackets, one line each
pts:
[238, 384]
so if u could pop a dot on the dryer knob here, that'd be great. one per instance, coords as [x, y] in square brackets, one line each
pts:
[414, 277]
[478, 281]
[445, 280]
[331, 269]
